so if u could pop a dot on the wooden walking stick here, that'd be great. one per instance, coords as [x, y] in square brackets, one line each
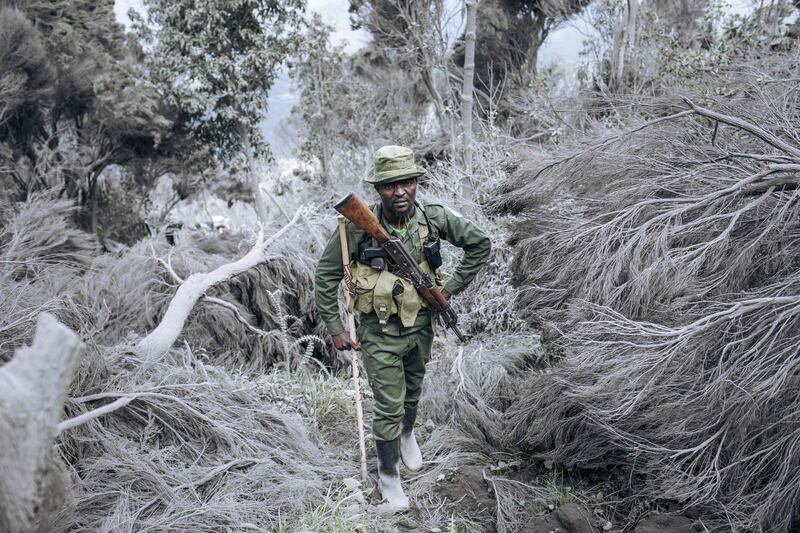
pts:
[351, 324]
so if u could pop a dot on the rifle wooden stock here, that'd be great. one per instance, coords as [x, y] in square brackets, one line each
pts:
[356, 211]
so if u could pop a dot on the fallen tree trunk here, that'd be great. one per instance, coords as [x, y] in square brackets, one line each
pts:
[158, 341]
[32, 390]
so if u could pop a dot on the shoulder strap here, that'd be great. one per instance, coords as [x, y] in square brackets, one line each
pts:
[432, 231]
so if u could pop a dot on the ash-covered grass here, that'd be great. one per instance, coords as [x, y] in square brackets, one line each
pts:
[664, 259]
[198, 448]
[201, 445]
[236, 431]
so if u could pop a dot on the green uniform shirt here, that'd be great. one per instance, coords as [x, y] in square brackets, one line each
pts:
[450, 226]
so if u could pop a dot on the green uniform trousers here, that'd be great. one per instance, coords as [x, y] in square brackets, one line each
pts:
[395, 368]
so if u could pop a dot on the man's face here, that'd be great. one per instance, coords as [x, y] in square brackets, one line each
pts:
[398, 197]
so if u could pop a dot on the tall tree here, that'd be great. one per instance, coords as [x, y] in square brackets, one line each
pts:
[510, 33]
[26, 88]
[215, 62]
[351, 104]
[319, 69]
[681, 16]
[413, 34]
[91, 107]
[467, 92]
[625, 40]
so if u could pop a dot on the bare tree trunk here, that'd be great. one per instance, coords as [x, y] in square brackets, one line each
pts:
[419, 17]
[324, 155]
[633, 9]
[626, 40]
[32, 390]
[436, 98]
[539, 30]
[158, 341]
[252, 176]
[93, 211]
[467, 94]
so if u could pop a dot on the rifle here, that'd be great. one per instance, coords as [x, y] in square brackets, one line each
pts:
[404, 265]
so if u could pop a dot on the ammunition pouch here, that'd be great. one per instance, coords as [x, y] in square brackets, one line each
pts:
[386, 294]
[374, 256]
[433, 253]
[376, 289]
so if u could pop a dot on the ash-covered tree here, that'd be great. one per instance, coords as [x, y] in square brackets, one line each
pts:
[319, 69]
[684, 18]
[352, 104]
[509, 35]
[86, 103]
[215, 62]
[414, 36]
[26, 85]
[666, 43]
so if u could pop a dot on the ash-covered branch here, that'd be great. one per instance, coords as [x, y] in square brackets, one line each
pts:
[157, 342]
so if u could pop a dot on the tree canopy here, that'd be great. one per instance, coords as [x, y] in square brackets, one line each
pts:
[215, 62]
[82, 104]
[510, 33]
[78, 95]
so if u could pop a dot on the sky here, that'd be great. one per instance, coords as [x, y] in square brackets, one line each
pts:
[562, 47]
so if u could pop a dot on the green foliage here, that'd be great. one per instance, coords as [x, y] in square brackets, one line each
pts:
[339, 513]
[558, 492]
[215, 62]
[324, 400]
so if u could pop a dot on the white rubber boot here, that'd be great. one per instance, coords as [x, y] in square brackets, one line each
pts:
[409, 449]
[389, 476]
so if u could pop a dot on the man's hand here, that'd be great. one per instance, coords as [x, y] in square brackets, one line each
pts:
[446, 295]
[343, 341]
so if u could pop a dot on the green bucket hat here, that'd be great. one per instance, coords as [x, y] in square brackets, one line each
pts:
[393, 163]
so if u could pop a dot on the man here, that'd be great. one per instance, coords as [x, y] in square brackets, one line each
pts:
[396, 326]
